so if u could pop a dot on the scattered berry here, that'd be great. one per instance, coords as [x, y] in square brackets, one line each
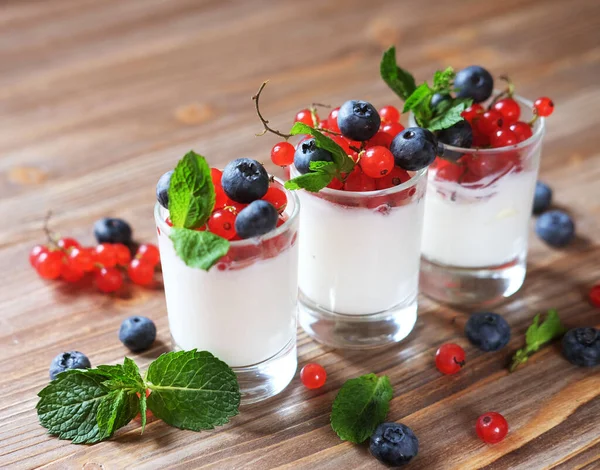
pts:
[542, 198]
[457, 135]
[594, 295]
[389, 114]
[358, 120]
[276, 197]
[313, 376]
[332, 122]
[122, 254]
[449, 358]
[414, 148]
[137, 333]
[35, 253]
[581, 346]
[245, 180]
[394, 444]
[140, 272]
[149, 253]
[555, 227]
[68, 360]
[83, 259]
[392, 128]
[376, 162]
[282, 154]
[522, 130]
[543, 107]
[70, 272]
[222, 223]
[395, 177]
[491, 427]
[162, 189]
[66, 243]
[510, 110]
[306, 117]
[109, 279]
[49, 264]
[105, 255]
[474, 82]
[110, 230]
[258, 218]
[308, 152]
[488, 331]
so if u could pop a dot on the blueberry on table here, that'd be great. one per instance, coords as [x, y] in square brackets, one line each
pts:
[358, 120]
[258, 218]
[111, 230]
[162, 189]
[68, 360]
[555, 227]
[307, 152]
[542, 198]
[245, 180]
[414, 148]
[394, 444]
[488, 331]
[457, 135]
[438, 98]
[137, 333]
[474, 82]
[581, 346]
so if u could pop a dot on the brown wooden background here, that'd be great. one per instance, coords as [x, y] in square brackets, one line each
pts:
[99, 98]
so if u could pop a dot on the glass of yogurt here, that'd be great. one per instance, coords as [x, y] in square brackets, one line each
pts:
[476, 224]
[243, 310]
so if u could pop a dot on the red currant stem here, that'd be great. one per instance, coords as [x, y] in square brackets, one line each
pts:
[460, 363]
[52, 237]
[356, 149]
[265, 123]
[321, 105]
[327, 131]
[508, 93]
[313, 116]
[533, 119]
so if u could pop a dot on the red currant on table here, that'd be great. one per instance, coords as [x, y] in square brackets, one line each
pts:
[392, 128]
[222, 223]
[489, 122]
[49, 264]
[394, 178]
[306, 117]
[276, 197]
[449, 358]
[35, 253]
[594, 295]
[71, 273]
[332, 123]
[377, 162]
[510, 110]
[140, 272]
[109, 279]
[472, 112]
[389, 114]
[105, 255]
[491, 427]
[82, 258]
[66, 243]
[503, 138]
[522, 130]
[216, 175]
[543, 106]
[313, 376]
[358, 181]
[149, 253]
[122, 253]
[282, 154]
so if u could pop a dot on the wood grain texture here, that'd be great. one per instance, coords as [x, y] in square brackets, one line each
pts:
[98, 99]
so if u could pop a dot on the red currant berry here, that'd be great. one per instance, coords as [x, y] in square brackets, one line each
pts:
[313, 376]
[392, 128]
[109, 279]
[105, 255]
[169, 222]
[82, 258]
[489, 122]
[472, 112]
[66, 243]
[543, 107]
[522, 130]
[216, 175]
[449, 358]
[280, 221]
[282, 154]
[332, 123]
[222, 223]
[335, 184]
[450, 172]
[122, 253]
[503, 138]
[306, 117]
[338, 139]
[594, 295]
[381, 139]
[35, 253]
[276, 197]
[482, 165]
[140, 272]
[221, 198]
[491, 427]
[235, 207]
[389, 114]
[510, 110]
[149, 253]
[377, 162]
[394, 178]
[358, 181]
[480, 140]
[49, 264]
[71, 273]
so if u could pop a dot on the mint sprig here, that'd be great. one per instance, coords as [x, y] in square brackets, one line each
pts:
[399, 80]
[537, 335]
[360, 406]
[189, 389]
[198, 249]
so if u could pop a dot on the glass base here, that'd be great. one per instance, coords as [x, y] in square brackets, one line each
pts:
[356, 331]
[474, 287]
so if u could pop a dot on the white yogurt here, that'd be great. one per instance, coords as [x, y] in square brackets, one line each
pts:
[478, 227]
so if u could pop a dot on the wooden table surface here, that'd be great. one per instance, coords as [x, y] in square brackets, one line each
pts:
[99, 98]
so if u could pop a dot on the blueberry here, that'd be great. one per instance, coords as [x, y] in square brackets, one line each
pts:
[438, 98]
[542, 198]
[581, 346]
[245, 180]
[109, 230]
[162, 189]
[358, 120]
[459, 134]
[307, 152]
[394, 444]
[68, 360]
[137, 333]
[258, 218]
[555, 227]
[488, 331]
[414, 148]
[474, 82]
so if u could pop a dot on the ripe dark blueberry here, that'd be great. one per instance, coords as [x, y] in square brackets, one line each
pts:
[308, 152]
[68, 360]
[137, 333]
[394, 444]
[474, 82]
[438, 98]
[358, 120]
[258, 218]
[162, 189]
[109, 230]
[555, 227]
[488, 331]
[414, 148]
[542, 198]
[581, 346]
[245, 180]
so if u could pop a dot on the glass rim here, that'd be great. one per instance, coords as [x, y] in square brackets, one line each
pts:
[253, 241]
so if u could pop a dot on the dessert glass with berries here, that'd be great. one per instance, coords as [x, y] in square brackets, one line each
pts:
[240, 306]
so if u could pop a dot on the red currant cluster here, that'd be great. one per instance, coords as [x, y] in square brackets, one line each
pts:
[376, 167]
[67, 259]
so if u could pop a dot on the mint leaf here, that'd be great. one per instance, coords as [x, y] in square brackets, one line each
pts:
[198, 249]
[442, 80]
[192, 193]
[192, 390]
[450, 117]
[312, 182]
[422, 93]
[399, 80]
[341, 159]
[360, 406]
[116, 409]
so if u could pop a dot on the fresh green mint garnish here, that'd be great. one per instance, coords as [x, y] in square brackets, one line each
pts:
[198, 249]
[537, 336]
[399, 80]
[360, 406]
[189, 389]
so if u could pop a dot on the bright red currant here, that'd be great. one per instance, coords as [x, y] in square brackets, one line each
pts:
[66, 243]
[450, 172]
[394, 178]
[222, 223]
[381, 139]
[510, 110]
[338, 139]
[149, 253]
[305, 116]
[220, 197]
[122, 253]
[313, 376]
[276, 197]
[35, 252]
[105, 255]
[482, 165]
[82, 258]
[449, 358]
[489, 122]
[216, 175]
[49, 264]
[594, 295]
[503, 138]
[332, 123]
[543, 106]
[522, 130]
[335, 184]
[282, 154]
[109, 279]
[472, 112]
[389, 114]
[377, 162]
[140, 272]
[392, 128]
[71, 273]
[491, 427]
[358, 181]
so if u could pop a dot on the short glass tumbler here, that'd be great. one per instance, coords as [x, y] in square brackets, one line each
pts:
[243, 310]
[476, 226]
[359, 263]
